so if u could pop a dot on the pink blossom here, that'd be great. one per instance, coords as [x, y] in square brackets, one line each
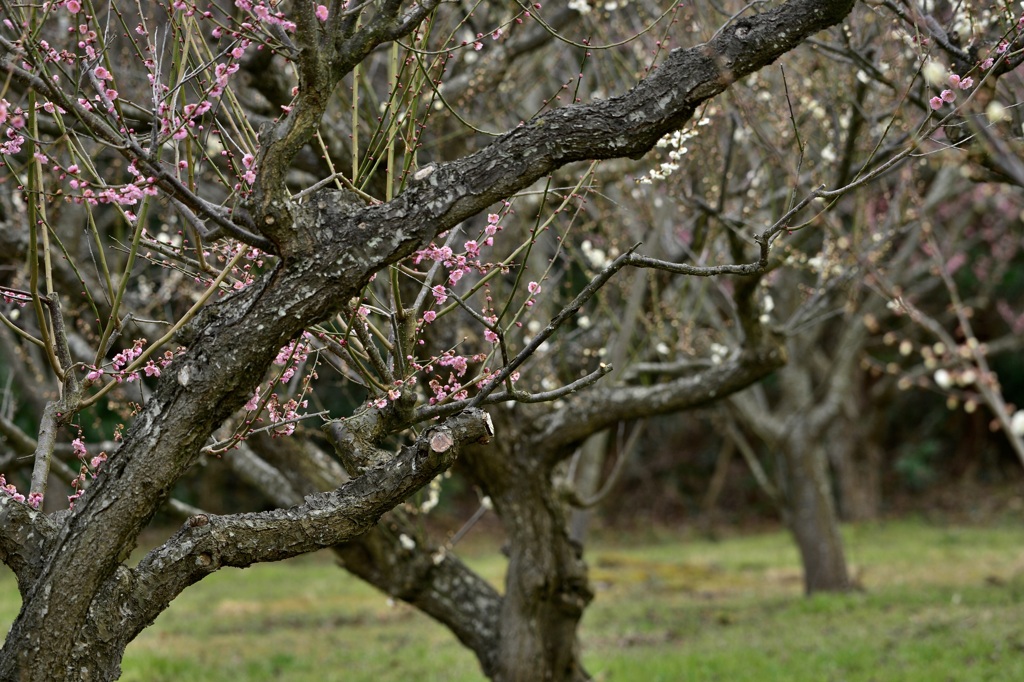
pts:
[533, 288]
[439, 294]
[459, 363]
[74, 6]
[321, 12]
[966, 83]
[935, 103]
[429, 316]
[987, 64]
[490, 336]
[254, 401]
[948, 96]
[955, 262]
[102, 73]
[78, 447]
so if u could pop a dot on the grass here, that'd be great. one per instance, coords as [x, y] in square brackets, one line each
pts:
[939, 604]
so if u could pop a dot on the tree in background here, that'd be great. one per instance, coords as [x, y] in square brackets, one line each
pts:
[945, 195]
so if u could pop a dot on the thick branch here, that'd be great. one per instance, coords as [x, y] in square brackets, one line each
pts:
[207, 543]
[23, 533]
[590, 412]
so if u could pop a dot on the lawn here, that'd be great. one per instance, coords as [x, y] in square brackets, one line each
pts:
[939, 603]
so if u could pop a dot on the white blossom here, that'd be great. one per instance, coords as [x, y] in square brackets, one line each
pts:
[1017, 423]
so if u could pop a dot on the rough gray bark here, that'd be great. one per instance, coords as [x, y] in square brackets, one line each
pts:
[132, 598]
[546, 588]
[81, 604]
[811, 516]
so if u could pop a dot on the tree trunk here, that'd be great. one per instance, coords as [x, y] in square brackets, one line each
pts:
[858, 477]
[546, 588]
[810, 515]
[856, 457]
[546, 591]
[588, 478]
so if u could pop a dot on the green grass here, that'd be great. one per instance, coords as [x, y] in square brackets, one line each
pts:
[938, 604]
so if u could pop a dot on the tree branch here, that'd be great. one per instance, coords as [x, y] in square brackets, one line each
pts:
[598, 409]
[24, 533]
[207, 543]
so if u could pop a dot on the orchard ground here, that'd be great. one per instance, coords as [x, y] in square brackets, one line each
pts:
[940, 599]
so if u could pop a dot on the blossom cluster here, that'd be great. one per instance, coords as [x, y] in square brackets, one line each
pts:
[675, 142]
[955, 82]
[33, 500]
[948, 96]
[18, 298]
[292, 357]
[118, 368]
[458, 264]
[90, 468]
[178, 118]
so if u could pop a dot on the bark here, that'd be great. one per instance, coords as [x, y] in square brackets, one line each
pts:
[811, 517]
[809, 507]
[546, 588]
[587, 481]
